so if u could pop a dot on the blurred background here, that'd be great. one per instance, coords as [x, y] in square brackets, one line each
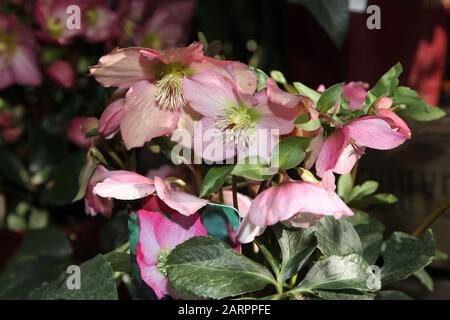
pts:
[47, 99]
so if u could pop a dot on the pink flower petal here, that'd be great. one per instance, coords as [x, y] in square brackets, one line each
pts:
[355, 92]
[284, 104]
[395, 121]
[109, 122]
[208, 93]
[24, 67]
[374, 132]
[347, 160]
[244, 202]
[331, 151]
[124, 185]
[183, 202]
[122, 68]
[153, 278]
[143, 120]
[248, 231]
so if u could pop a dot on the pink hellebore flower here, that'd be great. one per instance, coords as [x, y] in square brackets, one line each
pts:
[77, 131]
[125, 185]
[93, 203]
[234, 122]
[155, 102]
[100, 21]
[61, 72]
[17, 61]
[166, 27]
[297, 203]
[355, 93]
[383, 109]
[347, 144]
[158, 235]
[52, 18]
[109, 122]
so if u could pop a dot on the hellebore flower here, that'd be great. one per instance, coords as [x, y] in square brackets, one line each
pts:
[297, 203]
[61, 72]
[155, 103]
[158, 235]
[347, 144]
[100, 21]
[355, 93]
[236, 123]
[17, 61]
[166, 27]
[77, 129]
[383, 109]
[52, 18]
[125, 185]
[93, 203]
[109, 122]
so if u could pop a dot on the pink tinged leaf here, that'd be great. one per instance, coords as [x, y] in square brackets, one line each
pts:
[185, 203]
[395, 121]
[143, 120]
[109, 122]
[331, 151]
[124, 185]
[24, 67]
[122, 68]
[374, 132]
[208, 93]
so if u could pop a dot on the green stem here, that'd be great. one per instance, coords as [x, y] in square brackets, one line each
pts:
[440, 209]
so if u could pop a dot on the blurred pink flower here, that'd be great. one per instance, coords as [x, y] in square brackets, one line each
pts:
[62, 72]
[77, 131]
[347, 144]
[158, 235]
[93, 203]
[17, 61]
[296, 203]
[125, 185]
[154, 103]
[236, 121]
[52, 18]
[100, 21]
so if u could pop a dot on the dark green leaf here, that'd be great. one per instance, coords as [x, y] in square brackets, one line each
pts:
[290, 152]
[392, 295]
[333, 295]
[216, 219]
[12, 170]
[425, 279]
[85, 174]
[330, 97]
[214, 179]
[405, 255]
[386, 86]
[207, 267]
[133, 228]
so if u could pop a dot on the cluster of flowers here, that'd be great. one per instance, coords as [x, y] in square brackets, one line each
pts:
[153, 23]
[161, 91]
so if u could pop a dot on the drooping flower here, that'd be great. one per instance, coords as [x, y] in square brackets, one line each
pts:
[155, 103]
[77, 130]
[234, 122]
[297, 203]
[52, 17]
[93, 203]
[158, 235]
[61, 72]
[125, 185]
[347, 144]
[109, 122]
[17, 61]
[383, 109]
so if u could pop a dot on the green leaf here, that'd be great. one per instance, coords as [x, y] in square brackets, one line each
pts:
[305, 122]
[405, 255]
[207, 267]
[261, 76]
[330, 97]
[337, 272]
[392, 295]
[253, 168]
[97, 283]
[425, 279]
[41, 257]
[386, 86]
[307, 92]
[278, 76]
[85, 174]
[133, 228]
[380, 198]
[12, 170]
[202, 38]
[119, 261]
[333, 295]
[370, 232]
[359, 192]
[345, 185]
[290, 152]
[214, 179]
[296, 248]
[418, 113]
[333, 16]
[336, 237]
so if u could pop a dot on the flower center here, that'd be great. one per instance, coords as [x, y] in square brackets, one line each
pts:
[55, 27]
[7, 48]
[238, 123]
[161, 264]
[358, 150]
[91, 16]
[169, 91]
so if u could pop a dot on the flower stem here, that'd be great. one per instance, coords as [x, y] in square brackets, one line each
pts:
[235, 199]
[440, 209]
